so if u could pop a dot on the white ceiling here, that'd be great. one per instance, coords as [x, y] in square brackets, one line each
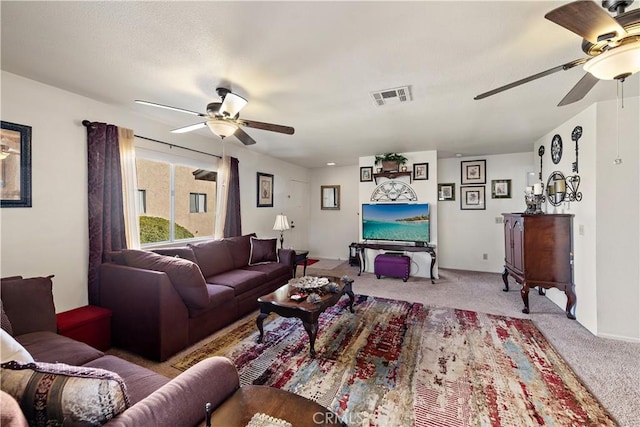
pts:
[312, 65]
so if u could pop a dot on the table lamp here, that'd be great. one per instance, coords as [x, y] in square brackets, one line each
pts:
[281, 224]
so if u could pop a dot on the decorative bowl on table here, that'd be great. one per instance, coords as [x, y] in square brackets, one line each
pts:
[308, 283]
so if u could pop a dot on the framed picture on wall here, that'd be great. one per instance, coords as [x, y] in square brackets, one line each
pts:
[265, 190]
[366, 173]
[420, 171]
[447, 191]
[501, 189]
[472, 197]
[15, 166]
[473, 172]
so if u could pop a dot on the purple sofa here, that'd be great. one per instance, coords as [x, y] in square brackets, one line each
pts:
[28, 316]
[167, 299]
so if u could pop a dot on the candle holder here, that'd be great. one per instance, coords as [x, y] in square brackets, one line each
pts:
[534, 203]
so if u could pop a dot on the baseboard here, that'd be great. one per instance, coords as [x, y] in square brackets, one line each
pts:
[619, 338]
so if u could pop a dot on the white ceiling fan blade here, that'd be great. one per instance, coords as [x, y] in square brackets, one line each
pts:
[232, 104]
[166, 107]
[189, 128]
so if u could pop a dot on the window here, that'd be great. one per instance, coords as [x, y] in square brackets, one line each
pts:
[142, 202]
[197, 202]
[172, 198]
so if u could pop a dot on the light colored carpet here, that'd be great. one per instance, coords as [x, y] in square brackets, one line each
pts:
[610, 369]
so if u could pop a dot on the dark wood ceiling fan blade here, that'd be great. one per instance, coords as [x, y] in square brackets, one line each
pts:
[267, 126]
[167, 107]
[586, 83]
[562, 67]
[586, 19]
[244, 137]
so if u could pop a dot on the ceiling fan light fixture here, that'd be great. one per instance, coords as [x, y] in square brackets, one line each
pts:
[616, 63]
[222, 128]
[4, 154]
[232, 104]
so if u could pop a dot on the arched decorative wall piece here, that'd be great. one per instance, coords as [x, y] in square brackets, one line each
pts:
[393, 191]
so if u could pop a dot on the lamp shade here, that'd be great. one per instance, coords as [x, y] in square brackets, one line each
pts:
[282, 223]
[232, 104]
[222, 128]
[621, 61]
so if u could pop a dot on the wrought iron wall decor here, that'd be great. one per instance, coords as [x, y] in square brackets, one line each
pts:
[556, 188]
[540, 153]
[576, 134]
[573, 183]
[556, 149]
[393, 191]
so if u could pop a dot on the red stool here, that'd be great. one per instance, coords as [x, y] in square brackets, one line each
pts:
[89, 324]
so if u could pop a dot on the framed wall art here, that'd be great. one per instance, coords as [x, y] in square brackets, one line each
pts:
[501, 189]
[15, 165]
[473, 172]
[366, 173]
[420, 171]
[447, 191]
[265, 190]
[472, 197]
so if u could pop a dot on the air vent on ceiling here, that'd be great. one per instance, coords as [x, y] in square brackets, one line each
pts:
[392, 96]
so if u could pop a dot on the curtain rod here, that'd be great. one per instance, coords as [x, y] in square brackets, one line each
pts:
[87, 123]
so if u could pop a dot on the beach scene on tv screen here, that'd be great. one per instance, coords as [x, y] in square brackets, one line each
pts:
[402, 222]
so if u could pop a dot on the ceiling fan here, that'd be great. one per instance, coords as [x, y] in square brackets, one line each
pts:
[223, 118]
[612, 43]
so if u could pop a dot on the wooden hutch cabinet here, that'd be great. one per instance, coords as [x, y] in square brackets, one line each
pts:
[539, 252]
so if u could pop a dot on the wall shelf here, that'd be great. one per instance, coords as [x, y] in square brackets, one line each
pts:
[391, 175]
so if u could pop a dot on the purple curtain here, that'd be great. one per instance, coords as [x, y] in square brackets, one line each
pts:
[232, 224]
[106, 216]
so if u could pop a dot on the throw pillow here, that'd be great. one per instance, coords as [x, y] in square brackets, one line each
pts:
[263, 251]
[29, 305]
[5, 323]
[59, 394]
[10, 349]
[185, 275]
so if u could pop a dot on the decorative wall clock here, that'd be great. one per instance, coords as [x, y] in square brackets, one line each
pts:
[393, 191]
[556, 149]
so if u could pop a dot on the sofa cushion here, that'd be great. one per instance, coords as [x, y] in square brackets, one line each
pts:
[213, 257]
[185, 275]
[272, 270]
[46, 346]
[141, 382]
[10, 349]
[183, 252]
[239, 280]
[263, 250]
[28, 304]
[240, 249]
[4, 320]
[219, 296]
[53, 394]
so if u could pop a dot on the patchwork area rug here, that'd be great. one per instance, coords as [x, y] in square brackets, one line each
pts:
[395, 363]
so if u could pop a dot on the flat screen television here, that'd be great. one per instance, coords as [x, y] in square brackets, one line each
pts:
[405, 222]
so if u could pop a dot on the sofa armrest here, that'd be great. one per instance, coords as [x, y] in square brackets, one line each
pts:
[287, 257]
[181, 402]
[149, 317]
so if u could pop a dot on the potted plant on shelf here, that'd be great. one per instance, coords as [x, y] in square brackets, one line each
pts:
[390, 162]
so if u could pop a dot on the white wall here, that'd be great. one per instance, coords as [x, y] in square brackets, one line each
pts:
[51, 237]
[606, 233]
[332, 231]
[465, 235]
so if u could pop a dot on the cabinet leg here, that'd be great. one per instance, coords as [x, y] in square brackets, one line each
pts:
[524, 293]
[571, 302]
[505, 279]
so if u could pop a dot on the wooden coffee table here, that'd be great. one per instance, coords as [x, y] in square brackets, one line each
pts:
[248, 400]
[279, 302]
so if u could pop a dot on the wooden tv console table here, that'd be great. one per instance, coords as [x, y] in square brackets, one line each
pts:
[395, 247]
